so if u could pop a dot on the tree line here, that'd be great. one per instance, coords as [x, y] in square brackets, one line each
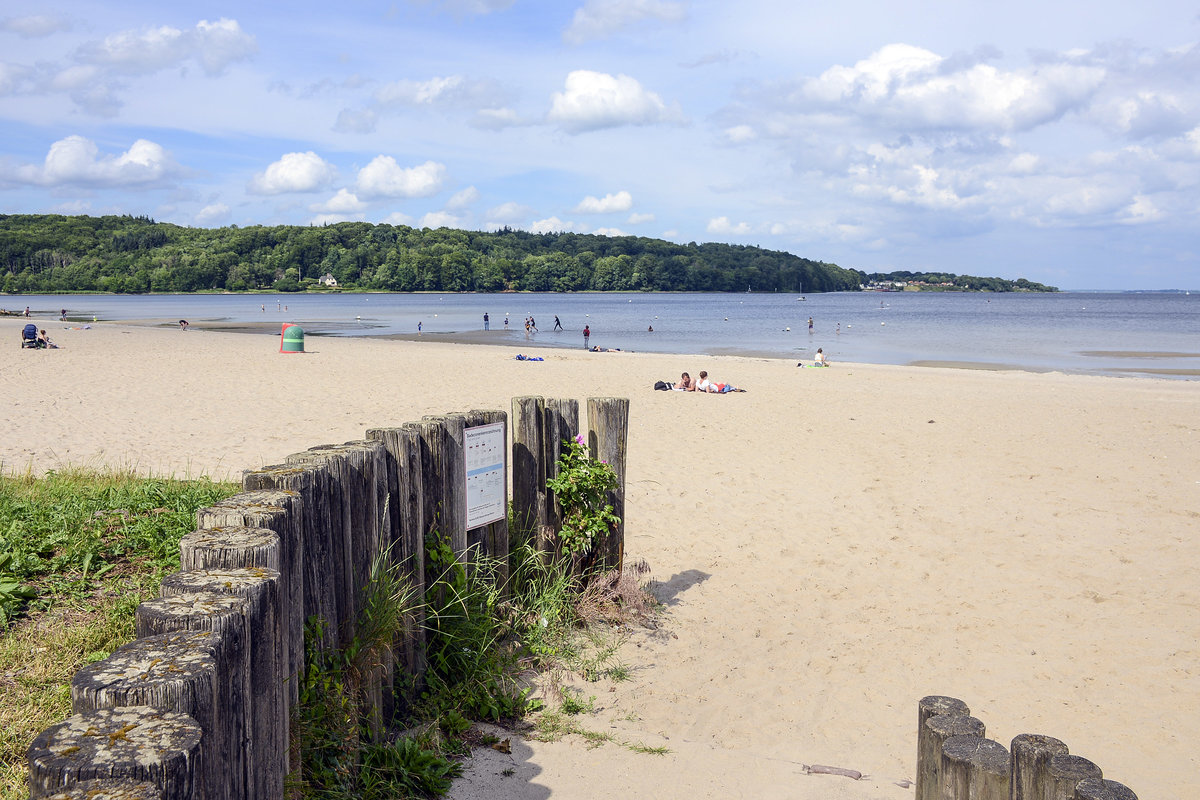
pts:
[44, 253]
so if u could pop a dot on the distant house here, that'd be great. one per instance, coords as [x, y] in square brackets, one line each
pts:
[328, 279]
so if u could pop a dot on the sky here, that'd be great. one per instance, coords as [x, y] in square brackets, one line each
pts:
[1055, 141]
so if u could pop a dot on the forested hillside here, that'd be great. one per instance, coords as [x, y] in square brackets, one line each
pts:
[52, 253]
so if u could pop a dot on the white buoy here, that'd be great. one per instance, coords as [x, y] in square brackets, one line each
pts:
[883, 323]
[787, 329]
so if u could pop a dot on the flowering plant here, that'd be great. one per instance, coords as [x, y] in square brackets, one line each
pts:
[581, 489]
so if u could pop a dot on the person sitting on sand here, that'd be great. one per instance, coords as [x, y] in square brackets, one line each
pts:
[686, 384]
[820, 360]
[44, 340]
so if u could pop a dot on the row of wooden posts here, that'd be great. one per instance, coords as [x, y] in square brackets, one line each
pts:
[201, 704]
[956, 762]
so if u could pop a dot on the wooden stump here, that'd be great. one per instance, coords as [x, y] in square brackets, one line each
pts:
[974, 768]
[931, 706]
[560, 424]
[1064, 773]
[135, 742]
[443, 436]
[413, 526]
[260, 589]
[173, 672]
[608, 438]
[226, 616]
[935, 731]
[311, 483]
[1031, 754]
[281, 511]
[1103, 789]
[528, 466]
[108, 789]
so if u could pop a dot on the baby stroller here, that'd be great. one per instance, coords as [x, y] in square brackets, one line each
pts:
[29, 337]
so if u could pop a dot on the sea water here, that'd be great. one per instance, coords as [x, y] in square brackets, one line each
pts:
[1113, 333]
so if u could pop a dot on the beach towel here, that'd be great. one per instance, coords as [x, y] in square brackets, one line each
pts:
[521, 357]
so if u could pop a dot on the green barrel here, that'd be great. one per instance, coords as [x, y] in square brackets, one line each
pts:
[292, 339]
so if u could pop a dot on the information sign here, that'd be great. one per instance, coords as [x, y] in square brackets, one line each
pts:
[484, 462]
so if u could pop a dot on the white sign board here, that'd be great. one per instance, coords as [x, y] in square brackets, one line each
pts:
[483, 458]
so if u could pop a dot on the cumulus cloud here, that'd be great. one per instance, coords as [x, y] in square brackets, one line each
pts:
[463, 198]
[609, 232]
[599, 19]
[723, 227]
[610, 203]
[78, 161]
[212, 214]
[294, 172]
[383, 177]
[552, 225]
[593, 100]
[740, 133]
[496, 118]
[639, 219]
[397, 218]
[214, 45]
[35, 26]
[440, 219]
[344, 202]
[509, 212]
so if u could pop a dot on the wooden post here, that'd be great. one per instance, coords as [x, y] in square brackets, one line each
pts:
[1103, 789]
[173, 672]
[260, 589]
[608, 438]
[1064, 773]
[311, 482]
[446, 451]
[226, 616]
[931, 706]
[492, 539]
[280, 511]
[935, 731]
[136, 742]
[410, 537]
[108, 789]
[528, 466]
[1031, 754]
[974, 768]
[560, 424]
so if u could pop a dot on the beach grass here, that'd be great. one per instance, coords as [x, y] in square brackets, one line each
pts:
[79, 550]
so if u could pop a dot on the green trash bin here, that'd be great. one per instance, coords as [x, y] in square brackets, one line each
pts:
[291, 339]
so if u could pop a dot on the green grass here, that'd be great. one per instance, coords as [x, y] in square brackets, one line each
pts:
[79, 551]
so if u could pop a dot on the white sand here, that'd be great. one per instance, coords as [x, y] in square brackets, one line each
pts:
[832, 545]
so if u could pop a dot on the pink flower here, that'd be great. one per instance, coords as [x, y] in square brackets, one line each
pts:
[579, 438]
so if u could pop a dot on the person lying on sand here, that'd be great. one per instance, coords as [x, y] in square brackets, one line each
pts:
[705, 385]
[686, 384]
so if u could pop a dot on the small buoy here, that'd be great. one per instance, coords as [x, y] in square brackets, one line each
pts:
[435, 315]
[883, 323]
[787, 329]
[727, 319]
[357, 317]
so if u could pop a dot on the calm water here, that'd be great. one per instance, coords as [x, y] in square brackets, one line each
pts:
[1103, 333]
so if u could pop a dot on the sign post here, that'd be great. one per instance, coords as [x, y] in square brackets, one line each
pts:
[484, 463]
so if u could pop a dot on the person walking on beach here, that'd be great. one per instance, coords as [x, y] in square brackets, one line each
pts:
[557, 325]
[63, 317]
[418, 329]
[487, 326]
[810, 329]
[587, 334]
[533, 323]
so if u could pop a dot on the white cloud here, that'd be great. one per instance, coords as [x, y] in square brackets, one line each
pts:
[212, 214]
[740, 133]
[594, 100]
[344, 202]
[465, 7]
[599, 19]
[496, 118]
[463, 198]
[552, 225]
[610, 203]
[419, 92]
[383, 177]
[294, 172]
[440, 219]
[397, 218]
[509, 212]
[78, 161]
[351, 121]
[609, 232]
[35, 26]
[638, 219]
[215, 45]
[333, 218]
[723, 227]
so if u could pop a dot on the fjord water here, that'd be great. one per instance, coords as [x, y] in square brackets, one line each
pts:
[1115, 333]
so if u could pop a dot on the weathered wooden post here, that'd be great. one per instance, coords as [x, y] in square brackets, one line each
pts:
[173, 672]
[259, 587]
[1031, 754]
[282, 512]
[929, 761]
[1064, 773]
[444, 472]
[312, 483]
[974, 768]
[928, 707]
[560, 424]
[1103, 789]
[528, 466]
[108, 789]
[226, 616]
[136, 742]
[608, 439]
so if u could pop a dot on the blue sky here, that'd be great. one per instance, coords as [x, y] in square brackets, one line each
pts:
[1056, 141]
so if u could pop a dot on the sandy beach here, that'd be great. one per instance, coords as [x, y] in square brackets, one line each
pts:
[830, 546]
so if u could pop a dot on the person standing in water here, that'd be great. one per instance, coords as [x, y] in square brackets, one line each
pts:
[810, 328]
[487, 326]
[587, 334]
